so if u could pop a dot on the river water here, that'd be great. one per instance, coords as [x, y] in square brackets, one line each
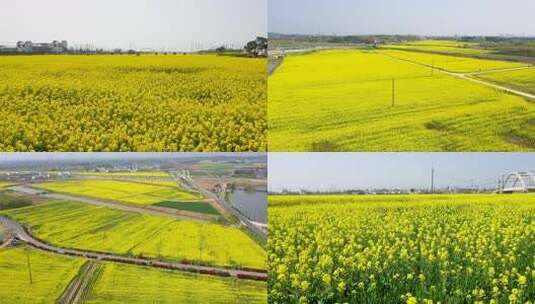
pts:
[252, 204]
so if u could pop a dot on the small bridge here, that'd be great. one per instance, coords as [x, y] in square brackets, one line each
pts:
[519, 182]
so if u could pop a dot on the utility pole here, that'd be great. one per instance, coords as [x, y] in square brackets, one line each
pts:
[432, 180]
[393, 92]
[29, 265]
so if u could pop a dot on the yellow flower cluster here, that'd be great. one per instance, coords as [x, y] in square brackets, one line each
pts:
[132, 103]
[413, 249]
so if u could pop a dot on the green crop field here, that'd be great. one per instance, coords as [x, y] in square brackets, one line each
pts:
[523, 80]
[82, 226]
[205, 103]
[200, 207]
[342, 101]
[50, 275]
[402, 249]
[129, 284]
[122, 191]
[10, 201]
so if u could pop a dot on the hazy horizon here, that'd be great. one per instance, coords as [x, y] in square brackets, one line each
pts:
[82, 156]
[168, 25]
[414, 17]
[342, 171]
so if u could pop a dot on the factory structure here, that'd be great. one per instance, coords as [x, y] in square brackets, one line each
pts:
[29, 47]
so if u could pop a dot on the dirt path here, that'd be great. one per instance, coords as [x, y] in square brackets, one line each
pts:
[273, 64]
[496, 86]
[6, 242]
[80, 286]
[500, 70]
[21, 234]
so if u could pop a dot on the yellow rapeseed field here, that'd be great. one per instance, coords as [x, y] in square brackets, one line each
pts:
[51, 274]
[522, 79]
[130, 284]
[114, 283]
[83, 226]
[440, 46]
[346, 100]
[122, 191]
[402, 249]
[454, 63]
[5, 184]
[132, 103]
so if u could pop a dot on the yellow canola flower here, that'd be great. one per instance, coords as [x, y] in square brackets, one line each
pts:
[453, 246]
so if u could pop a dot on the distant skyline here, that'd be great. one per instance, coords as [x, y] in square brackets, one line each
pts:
[418, 17]
[59, 156]
[342, 171]
[168, 25]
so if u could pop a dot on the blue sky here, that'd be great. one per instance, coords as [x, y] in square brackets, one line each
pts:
[324, 171]
[156, 24]
[421, 17]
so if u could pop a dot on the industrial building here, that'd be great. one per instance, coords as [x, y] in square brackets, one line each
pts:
[29, 47]
[55, 47]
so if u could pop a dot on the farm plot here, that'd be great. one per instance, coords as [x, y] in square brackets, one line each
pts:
[129, 284]
[132, 103]
[347, 101]
[523, 80]
[453, 63]
[88, 227]
[5, 184]
[50, 275]
[122, 191]
[199, 207]
[392, 249]
[441, 46]
[125, 174]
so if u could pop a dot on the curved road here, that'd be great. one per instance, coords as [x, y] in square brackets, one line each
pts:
[21, 234]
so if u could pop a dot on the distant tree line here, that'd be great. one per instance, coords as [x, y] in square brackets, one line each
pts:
[257, 47]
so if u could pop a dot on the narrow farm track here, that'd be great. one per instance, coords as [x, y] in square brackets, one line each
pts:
[96, 202]
[496, 86]
[81, 284]
[500, 70]
[21, 234]
[466, 76]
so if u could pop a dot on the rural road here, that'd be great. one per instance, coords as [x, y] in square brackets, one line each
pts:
[21, 234]
[499, 70]
[490, 84]
[130, 208]
[466, 76]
